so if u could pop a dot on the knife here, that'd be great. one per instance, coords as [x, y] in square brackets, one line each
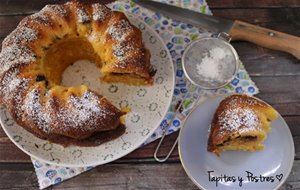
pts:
[238, 30]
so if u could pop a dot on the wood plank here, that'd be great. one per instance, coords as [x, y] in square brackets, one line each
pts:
[23, 7]
[18, 176]
[269, 18]
[9, 7]
[274, 90]
[260, 16]
[297, 147]
[282, 19]
[167, 176]
[216, 4]
[294, 125]
[10, 153]
[260, 61]
[18, 7]
[119, 176]
[8, 24]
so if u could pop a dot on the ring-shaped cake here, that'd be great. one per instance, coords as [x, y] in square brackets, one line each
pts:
[43, 45]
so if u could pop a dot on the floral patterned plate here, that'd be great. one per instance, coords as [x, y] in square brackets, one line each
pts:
[148, 104]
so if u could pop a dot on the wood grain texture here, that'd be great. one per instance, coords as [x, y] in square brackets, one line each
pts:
[282, 19]
[215, 4]
[119, 176]
[10, 153]
[19, 7]
[10, 7]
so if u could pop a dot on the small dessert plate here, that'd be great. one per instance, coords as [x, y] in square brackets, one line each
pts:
[264, 169]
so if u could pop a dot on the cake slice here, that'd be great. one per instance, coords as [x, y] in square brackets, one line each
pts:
[241, 122]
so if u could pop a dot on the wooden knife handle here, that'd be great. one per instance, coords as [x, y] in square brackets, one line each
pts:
[266, 38]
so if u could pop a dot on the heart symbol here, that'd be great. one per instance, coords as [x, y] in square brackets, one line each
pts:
[279, 177]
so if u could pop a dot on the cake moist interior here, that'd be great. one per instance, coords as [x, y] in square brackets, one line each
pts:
[64, 53]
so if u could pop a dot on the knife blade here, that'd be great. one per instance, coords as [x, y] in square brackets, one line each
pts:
[238, 30]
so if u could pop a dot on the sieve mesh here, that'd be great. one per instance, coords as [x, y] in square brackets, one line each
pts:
[210, 63]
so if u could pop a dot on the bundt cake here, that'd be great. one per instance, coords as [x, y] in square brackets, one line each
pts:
[43, 45]
[241, 122]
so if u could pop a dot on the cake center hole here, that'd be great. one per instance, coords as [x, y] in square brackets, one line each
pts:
[81, 72]
[64, 53]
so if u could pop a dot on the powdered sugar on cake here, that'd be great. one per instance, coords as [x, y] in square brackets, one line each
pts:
[120, 50]
[40, 17]
[100, 12]
[120, 30]
[239, 115]
[21, 35]
[10, 83]
[34, 109]
[82, 16]
[251, 102]
[85, 113]
[56, 9]
[241, 119]
[15, 56]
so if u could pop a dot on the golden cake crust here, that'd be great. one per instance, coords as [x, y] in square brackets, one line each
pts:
[241, 122]
[31, 64]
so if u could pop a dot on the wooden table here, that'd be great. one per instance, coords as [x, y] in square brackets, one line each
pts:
[276, 74]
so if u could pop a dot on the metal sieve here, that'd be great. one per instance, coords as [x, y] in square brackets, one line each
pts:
[211, 62]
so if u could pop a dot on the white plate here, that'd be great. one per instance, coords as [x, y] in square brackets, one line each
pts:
[275, 161]
[149, 105]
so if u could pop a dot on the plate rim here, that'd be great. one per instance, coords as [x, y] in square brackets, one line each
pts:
[137, 145]
[210, 97]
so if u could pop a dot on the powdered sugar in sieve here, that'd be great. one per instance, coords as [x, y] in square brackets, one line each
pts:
[210, 63]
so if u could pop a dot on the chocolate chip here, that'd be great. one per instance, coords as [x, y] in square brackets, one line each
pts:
[248, 138]
[152, 71]
[46, 82]
[40, 78]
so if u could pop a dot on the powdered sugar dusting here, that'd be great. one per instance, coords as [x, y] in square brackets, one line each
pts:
[40, 17]
[100, 12]
[15, 56]
[84, 107]
[211, 67]
[239, 114]
[10, 83]
[120, 50]
[34, 109]
[22, 34]
[120, 30]
[82, 16]
[244, 99]
[57, 9]
[84, 113]
[241, 119]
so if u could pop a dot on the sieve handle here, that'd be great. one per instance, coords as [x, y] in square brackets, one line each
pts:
[163, 137]
[266, 38]
[165, 133]
[163, 159]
